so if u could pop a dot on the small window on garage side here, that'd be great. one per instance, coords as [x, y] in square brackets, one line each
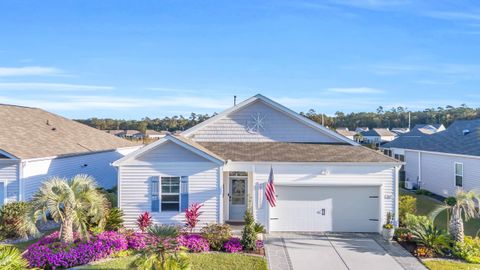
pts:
[401, 157]
[458, 174]
[170, 194]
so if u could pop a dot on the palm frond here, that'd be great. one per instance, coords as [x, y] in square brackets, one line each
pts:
[11, 259]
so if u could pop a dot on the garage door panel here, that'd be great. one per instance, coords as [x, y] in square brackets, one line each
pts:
[338, 209]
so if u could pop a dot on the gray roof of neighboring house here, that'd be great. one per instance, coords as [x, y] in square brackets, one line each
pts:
[451, 140]
[378, 132]
[34, 133]
[294, 152]
[346, 133]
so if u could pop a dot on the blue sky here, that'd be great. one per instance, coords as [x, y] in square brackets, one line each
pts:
[130, 59]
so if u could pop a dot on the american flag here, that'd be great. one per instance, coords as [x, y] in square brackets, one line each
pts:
[270, 190]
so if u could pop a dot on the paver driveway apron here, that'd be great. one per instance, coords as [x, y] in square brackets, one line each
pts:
[332, 252]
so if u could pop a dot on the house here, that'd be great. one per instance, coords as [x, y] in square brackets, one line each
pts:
[153, 134]
[323, 181]
[127, 133]
[400, 131]
[361, 129]
[378, 135]
[428, 129]
[36, 145]
[444, 161]
[346, 133]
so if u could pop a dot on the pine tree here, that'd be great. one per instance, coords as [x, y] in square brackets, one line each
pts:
[249, 236]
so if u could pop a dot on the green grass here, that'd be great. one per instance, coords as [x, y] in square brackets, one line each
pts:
[450, 265]
[425, 205]
[201, 261]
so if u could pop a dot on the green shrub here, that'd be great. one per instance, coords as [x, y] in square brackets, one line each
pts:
[11, 259]
[406, 205]
[249, 235]
[427, 234]
[469, 249]
[216, 235]
[13, 219]
[259, 228]
[111, 195]
[423, 192]
[114, 219]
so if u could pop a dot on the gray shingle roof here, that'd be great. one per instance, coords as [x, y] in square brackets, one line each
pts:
[294, 152]
[451, 140]
[34, 133]
[378, 132]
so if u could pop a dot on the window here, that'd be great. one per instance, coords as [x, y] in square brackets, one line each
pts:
[155, 202]
[401, 157]
[170, 194]
[458, 174]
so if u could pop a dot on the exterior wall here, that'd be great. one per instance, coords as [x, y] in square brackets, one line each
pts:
[277, 127]
[437, 171]
[203, 187]
[9, 173]
[35, 172]
[411, 166]
[170, 152]
[311, 174]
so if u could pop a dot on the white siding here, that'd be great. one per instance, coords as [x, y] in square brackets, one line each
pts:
[298, 174]
[170, 152]
[203, 182]
[35, 172]
[411, 166]
[278, 126]
[438, 171]
[9, 175]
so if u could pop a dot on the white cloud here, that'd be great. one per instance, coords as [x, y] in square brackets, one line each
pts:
[52, 86]
[355, 90]
[29, 71]
[453, 15]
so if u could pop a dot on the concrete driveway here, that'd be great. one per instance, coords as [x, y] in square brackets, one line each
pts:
[295, 251]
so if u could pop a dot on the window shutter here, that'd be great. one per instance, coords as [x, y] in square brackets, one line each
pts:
[184, 193]
[154, 193]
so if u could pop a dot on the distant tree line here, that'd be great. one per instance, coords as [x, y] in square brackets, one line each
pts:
[395, 117]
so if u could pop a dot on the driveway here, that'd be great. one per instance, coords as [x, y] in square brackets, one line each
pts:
[347, 251]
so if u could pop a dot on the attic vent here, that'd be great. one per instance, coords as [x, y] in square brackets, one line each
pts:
[466, 131]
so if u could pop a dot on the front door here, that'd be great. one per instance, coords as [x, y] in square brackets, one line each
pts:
[238, 195]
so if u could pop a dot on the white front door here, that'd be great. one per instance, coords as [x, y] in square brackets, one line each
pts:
[326, 208]
[238, 195]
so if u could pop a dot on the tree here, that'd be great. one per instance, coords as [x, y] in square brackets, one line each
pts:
[72, 203]
[461, 206]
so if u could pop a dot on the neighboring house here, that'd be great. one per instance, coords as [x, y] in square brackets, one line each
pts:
[127, 133]
[378, 135]
[153, 134]
[361, 129]
[346, 133]
[323, 181]
[400, 131]
[444, 161]
[428, 129]
[36, 145]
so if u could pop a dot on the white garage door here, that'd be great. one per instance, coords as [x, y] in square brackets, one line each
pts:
[335, 209]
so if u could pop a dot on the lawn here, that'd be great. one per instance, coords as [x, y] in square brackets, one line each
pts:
[425, 205]
[450, 265]
[201, 261]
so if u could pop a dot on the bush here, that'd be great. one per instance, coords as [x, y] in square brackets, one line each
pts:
[193, 242]
[136, 241]
[114, 219]
[144, 221]
[216, 235]
[259, 228]
[427, 234]
[50, 253]
[233, 245]
[406, 205]
[469, 250]
[192, 215]
[11, 258]
[249, 235]
[13, 216]
[111, 195]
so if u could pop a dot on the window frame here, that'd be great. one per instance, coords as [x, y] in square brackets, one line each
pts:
[161, 193]
[458, 175]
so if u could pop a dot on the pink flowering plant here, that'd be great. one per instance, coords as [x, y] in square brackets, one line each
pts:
[233, 245]
[136, 241]
[193, 242]
[50, 253]
[192, 216]
[144, 221]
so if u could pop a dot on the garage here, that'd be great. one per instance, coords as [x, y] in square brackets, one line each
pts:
[326, 208]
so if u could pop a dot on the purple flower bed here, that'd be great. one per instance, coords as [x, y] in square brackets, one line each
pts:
[233, 245]
[259, 244]
[194, 242]
[136, 241]
[50, 253]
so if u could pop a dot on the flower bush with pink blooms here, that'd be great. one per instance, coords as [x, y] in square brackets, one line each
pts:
[259, 244]
[50, 253]
[136, 241]
[194, 242]
[233, 245]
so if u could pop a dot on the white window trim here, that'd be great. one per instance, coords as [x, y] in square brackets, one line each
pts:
[160, 193]
[455, 174]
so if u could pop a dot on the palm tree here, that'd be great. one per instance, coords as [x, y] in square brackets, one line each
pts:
[72, 203]
[11, 259]
[461, 206]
